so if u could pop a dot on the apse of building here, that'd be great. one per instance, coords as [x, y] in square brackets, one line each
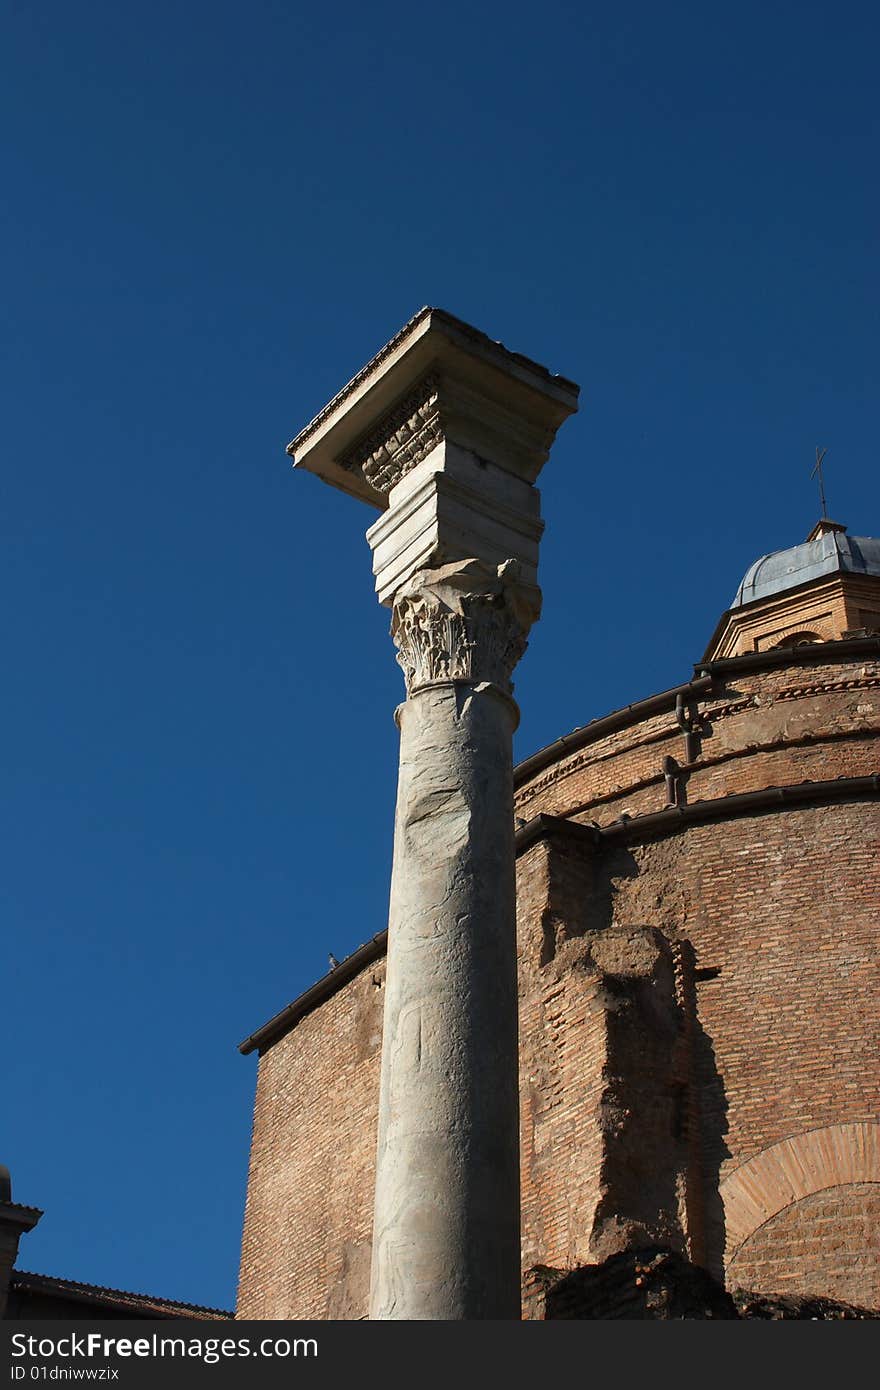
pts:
[697, 953]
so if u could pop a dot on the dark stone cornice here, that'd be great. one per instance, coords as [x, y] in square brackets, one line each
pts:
[636, 829]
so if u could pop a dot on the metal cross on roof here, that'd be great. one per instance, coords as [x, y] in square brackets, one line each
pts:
[817, 470]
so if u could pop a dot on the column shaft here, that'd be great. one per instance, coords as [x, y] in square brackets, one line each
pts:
[446, 1239]
[447, 431]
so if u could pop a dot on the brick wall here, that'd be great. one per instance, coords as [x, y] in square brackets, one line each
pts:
[759, 729]
[309, 1212]
[827, 608]
[562, 1050]
[782, 909]
[780, 1036]
[834, 1235]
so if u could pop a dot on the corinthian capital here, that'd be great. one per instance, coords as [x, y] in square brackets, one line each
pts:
[463, 622]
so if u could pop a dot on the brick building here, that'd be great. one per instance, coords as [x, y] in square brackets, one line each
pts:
[697, 942]
[697, 935]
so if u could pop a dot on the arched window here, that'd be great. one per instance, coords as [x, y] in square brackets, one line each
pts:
[798, 639]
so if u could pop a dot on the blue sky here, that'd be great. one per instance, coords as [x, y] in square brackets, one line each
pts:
[214, 214]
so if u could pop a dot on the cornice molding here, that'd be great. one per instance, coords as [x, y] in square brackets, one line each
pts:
[633, 830]
[442, 409]
[589, 757]
[401, 439]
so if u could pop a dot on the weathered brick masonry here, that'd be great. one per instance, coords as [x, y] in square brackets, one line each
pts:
[832, 1232]
[699, 1042]
[308, 1220]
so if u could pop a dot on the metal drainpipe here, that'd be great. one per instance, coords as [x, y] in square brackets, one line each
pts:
[687, 716]
[671, 772]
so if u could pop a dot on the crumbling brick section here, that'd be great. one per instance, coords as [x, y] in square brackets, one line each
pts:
[798, 1307]
[562, 1052]
[649, 1284]
[641, 1107]
[657, 1284]
[610, 1111]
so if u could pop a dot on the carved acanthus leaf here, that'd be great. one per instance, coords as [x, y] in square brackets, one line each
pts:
[463, 622]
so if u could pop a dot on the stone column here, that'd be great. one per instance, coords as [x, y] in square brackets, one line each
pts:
[446, 1240]
[446, 431]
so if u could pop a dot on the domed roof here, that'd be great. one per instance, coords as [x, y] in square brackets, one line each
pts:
[829, 550]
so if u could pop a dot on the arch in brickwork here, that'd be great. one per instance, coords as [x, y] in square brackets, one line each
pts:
[800, 638]
[796, 1168]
